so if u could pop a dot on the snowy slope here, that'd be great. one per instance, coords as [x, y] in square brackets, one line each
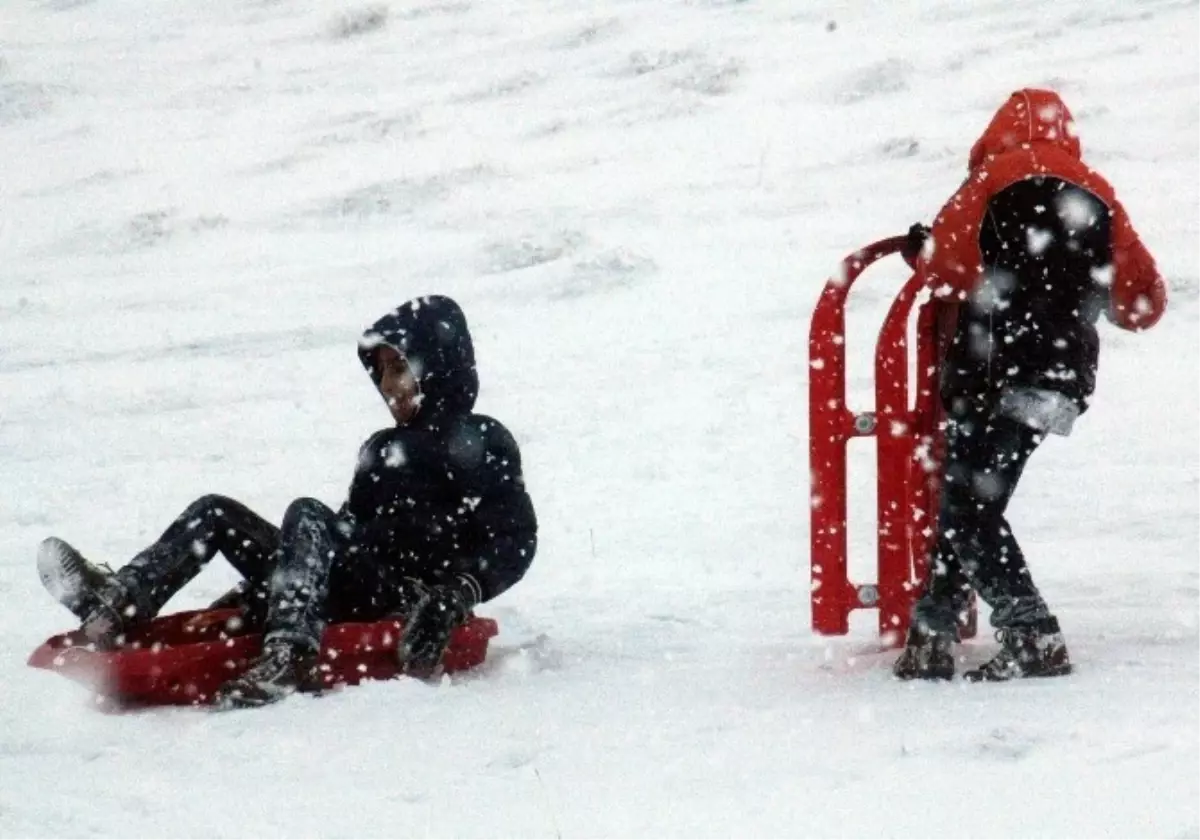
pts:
[637, 204]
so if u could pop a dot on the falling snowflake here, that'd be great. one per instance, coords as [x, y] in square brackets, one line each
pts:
[1076, 209]
[839, 277]
[1049, 113]
[1037, 240]
[394, 455]
[1103, 275]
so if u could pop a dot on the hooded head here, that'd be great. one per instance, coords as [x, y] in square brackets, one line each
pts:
[431, 334]
[1029, 117]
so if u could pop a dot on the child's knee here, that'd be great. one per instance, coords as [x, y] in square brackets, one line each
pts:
[306, 508]
[206, 506]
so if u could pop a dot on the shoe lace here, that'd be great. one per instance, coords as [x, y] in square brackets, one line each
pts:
[1010, 642]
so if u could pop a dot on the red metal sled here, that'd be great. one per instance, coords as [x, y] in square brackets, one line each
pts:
[908, 453]
[181, 659]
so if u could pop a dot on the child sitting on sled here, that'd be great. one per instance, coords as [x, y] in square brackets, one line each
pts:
[437, 520]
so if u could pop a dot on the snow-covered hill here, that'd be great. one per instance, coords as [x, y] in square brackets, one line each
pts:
[636, 203]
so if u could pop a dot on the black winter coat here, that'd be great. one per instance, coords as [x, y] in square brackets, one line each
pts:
[442, 499]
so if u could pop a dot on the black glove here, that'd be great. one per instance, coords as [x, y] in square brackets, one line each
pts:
[914, 243]
[427, 631]
[409, 594]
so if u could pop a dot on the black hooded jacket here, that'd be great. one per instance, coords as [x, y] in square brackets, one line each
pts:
[441, 499]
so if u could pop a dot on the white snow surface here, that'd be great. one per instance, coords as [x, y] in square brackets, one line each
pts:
[637, 204]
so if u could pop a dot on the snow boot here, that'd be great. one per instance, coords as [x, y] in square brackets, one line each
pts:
[283, 668]
[90, 591]
[429, 627]
[927, 655]
[1026, 651]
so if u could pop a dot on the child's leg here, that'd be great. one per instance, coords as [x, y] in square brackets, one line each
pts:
[310, 545]
[943, 604]
[320, 576]
[985, 459]
[209, 525]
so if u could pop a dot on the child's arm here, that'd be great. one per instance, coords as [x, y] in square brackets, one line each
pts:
[498, 512]
[501, 512]
[950, 253]
[1138, 294]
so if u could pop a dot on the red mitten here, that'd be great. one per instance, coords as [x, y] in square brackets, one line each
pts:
[1139, 295]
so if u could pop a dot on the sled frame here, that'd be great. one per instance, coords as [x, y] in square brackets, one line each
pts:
[908, 453]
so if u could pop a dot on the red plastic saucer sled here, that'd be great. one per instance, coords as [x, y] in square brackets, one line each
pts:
[182, 659]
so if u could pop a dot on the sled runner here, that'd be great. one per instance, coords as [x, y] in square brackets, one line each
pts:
[182, 659]
[905, 425]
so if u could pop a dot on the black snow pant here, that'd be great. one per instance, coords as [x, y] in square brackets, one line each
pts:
[298, 577]
[985, 456]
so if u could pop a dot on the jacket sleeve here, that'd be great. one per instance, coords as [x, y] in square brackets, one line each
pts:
[347, 515]
[496, 506]
[1138, 296]
[952, 261]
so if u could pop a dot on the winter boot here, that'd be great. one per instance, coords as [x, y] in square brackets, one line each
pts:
[927, 655]
[429, 627]
[92, 592]
[282, 668]
[1026, 651]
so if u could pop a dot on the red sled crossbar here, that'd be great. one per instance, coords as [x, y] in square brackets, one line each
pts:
[908, 449]
[182, 659]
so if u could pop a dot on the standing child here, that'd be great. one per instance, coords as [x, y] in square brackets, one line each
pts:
[436, 521]
[1032, 249]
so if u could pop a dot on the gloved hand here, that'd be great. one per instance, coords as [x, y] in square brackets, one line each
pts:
[429, 626]
[408, 595]
[914, 243]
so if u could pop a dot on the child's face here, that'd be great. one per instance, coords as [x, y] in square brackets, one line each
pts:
[398, 385]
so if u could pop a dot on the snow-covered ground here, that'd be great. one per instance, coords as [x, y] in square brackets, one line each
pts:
[202, 204]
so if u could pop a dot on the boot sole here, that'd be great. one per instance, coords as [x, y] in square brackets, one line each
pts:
[233, 701]
[229, 698]
[1057, 671]
[60, 568]
[924, 677]
[65, 574]
[940, 670]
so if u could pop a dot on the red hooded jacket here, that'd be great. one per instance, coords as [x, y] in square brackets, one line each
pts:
[1033, 134]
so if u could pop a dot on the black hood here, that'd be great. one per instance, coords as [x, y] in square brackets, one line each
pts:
[432, 334]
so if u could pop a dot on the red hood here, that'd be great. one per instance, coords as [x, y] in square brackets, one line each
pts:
[1029, 116]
